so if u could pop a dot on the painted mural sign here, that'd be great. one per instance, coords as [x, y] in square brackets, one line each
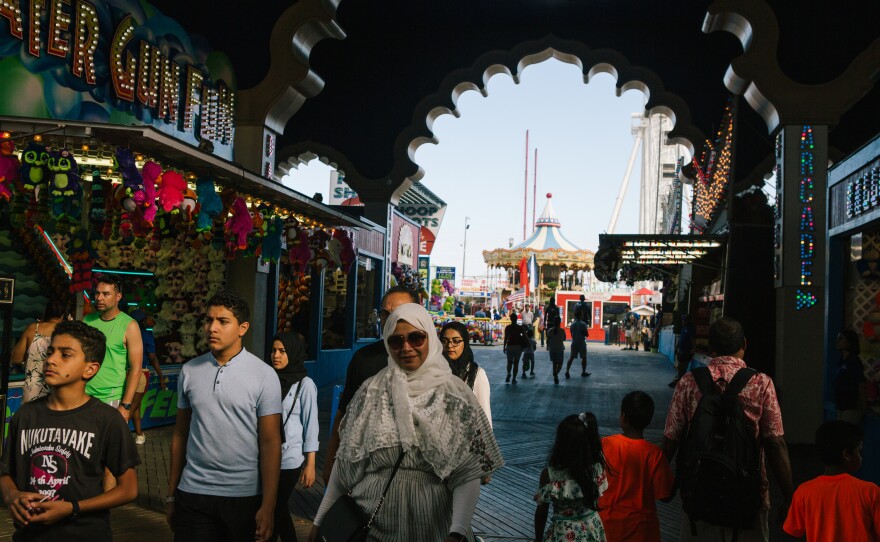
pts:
[114, 61]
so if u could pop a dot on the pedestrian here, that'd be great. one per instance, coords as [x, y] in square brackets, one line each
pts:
[836, 505]
[585, 307]
[636, 334]
[32, 349]
[529, 353]
[365, 363]
[417, 415]
[542, 324]
[628, 326]
[556, 347]
[527, 317]
[457, 350]
[226, 446]
[58, 447]
[299, 426]
[459, 310]
[515, 341]
[552, 311]
[579, 331]
[125, 348]
[149, 343]
[638, 475]
[685, 349]
[495, 315]
[849, 379]
[763, 423]
[573, 482]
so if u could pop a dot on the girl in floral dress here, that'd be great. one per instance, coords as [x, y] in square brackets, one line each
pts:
[573, 482]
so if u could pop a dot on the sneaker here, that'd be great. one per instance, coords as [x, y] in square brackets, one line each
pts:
[507, 379]
[532, 373]
[514, 380]
[555, 379]
[585, 373]
[567, 376]
[140, 439]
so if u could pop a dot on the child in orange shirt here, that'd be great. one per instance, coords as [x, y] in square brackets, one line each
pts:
[638, 474]
[836, 506]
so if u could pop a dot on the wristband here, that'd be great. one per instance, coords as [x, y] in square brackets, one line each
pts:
[75, 504]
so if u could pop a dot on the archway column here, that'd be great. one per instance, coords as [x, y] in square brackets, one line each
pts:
[799, 264]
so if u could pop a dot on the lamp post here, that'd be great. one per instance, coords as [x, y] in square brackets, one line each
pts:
[464, 251]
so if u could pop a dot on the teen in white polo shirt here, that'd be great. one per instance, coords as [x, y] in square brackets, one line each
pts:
[226, 448]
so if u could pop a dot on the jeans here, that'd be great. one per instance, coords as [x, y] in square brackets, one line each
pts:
[212, 518]
[283, 524]
[513, 355]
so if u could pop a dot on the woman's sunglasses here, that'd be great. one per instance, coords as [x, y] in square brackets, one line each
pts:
[415, 339]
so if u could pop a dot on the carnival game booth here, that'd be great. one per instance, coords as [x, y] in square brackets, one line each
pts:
[560, 264]
[605, 307]
[853, 283]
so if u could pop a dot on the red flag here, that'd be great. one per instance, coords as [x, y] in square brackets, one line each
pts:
[524, 274]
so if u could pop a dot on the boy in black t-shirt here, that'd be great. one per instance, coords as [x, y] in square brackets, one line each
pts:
[52, 470]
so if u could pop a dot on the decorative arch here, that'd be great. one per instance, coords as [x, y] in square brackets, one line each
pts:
[476, 77]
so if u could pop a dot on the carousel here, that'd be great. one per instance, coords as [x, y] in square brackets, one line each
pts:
[561, 265]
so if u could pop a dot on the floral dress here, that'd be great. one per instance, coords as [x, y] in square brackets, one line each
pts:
[572, 520]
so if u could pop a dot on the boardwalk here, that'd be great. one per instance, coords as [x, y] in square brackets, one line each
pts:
[524, 416]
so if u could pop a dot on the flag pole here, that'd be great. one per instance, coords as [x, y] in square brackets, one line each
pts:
[535, 188]
[526, 187]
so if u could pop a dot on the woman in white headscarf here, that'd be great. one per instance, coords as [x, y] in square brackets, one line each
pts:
[418, 407]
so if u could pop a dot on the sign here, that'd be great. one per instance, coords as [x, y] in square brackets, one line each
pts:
[424, 272]
[159, 407]
[340, 192]
[88, 60]
[474, 284]
[405, 244]
[403, 238]
[7, 290]
[445, 273]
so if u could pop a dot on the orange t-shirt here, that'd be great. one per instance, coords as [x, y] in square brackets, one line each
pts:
[839, 507]
[638, 474]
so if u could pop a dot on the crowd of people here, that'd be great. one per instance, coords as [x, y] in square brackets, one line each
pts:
[412, 443]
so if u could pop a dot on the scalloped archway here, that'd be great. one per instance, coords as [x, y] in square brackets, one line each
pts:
[444, 102]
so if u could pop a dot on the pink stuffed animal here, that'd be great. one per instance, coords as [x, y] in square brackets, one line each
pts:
[9, 166]
[171, 191]
[300, 254]
[152, 174]
[239, 225]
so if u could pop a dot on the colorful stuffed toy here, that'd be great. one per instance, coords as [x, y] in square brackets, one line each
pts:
[123, 162]
[33, 170]
[320, 257]
[209, 204]
[9, 166]
[101, 189]
[65, 185]
[146, 198]
[238, 227]
[272, 241]
[81, 257]
[341, 248]
[171, 191]
[299, 253]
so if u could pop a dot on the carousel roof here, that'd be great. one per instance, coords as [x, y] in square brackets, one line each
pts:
[547, 244]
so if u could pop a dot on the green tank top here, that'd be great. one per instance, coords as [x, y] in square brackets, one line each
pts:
[109, 384]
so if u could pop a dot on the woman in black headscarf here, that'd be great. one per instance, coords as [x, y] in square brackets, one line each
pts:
[299, 429]
[456, 343]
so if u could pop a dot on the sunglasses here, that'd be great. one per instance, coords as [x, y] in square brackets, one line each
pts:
[454, 342]
[415, 339]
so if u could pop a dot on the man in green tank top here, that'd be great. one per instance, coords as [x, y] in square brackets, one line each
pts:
[124, 348]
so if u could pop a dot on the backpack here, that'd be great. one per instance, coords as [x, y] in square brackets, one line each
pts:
[719, 468]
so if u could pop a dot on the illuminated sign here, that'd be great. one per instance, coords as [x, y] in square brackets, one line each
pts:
[863, 193]
[804, 299]
[87, 60]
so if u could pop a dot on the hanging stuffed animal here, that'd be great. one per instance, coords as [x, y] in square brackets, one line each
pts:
[209, 204]
[238, 227]
[35, 160]
[122, 228]
[81, 256]
[65, 185]
[123, 162]
[320, 257]
[171, 191]
[341, 249]
[189, 207]
[272, 241]
[101, 189]
[299, 253]
[9, 166]
[146, 198]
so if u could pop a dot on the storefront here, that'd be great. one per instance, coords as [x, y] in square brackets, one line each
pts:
[853, 283]
[605, 308]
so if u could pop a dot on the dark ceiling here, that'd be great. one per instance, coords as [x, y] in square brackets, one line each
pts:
[397, 52]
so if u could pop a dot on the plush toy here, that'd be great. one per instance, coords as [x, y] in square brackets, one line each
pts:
[272, 241]
[341, 248]
[35, 160]
[298, 250]
[189, 207]
[146, 198]
[238, 227]
[100, 189]
[121, 230]
[9, 166]
[123, 162]
[210, 204]
[320, 257]
[171, 191]
[81, 257]
[65, 185]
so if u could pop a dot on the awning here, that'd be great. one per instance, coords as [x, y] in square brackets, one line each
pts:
[652, 250]
[150, 141]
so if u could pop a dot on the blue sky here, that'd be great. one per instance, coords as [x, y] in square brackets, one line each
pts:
[582, 133]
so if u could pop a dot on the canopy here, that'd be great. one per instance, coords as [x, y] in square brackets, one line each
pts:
[644, 291]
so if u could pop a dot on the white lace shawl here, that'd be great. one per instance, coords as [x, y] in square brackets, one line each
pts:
[428, 409]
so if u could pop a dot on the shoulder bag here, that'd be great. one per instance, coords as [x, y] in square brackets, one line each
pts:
[289, 412]
[346, 521]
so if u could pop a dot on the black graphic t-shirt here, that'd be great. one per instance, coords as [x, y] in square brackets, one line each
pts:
[62, 455]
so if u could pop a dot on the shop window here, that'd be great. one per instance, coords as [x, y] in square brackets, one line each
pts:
[366, 316]
[294, 292]
[335, 328]
[570, 309]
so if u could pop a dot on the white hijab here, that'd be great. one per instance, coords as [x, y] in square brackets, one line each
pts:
[390, 408]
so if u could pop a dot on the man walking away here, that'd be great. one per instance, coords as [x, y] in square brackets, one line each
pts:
[754, 413]
[579, 331]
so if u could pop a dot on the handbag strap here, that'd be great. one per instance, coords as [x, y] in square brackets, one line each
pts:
[293, 405]
[384, 491]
